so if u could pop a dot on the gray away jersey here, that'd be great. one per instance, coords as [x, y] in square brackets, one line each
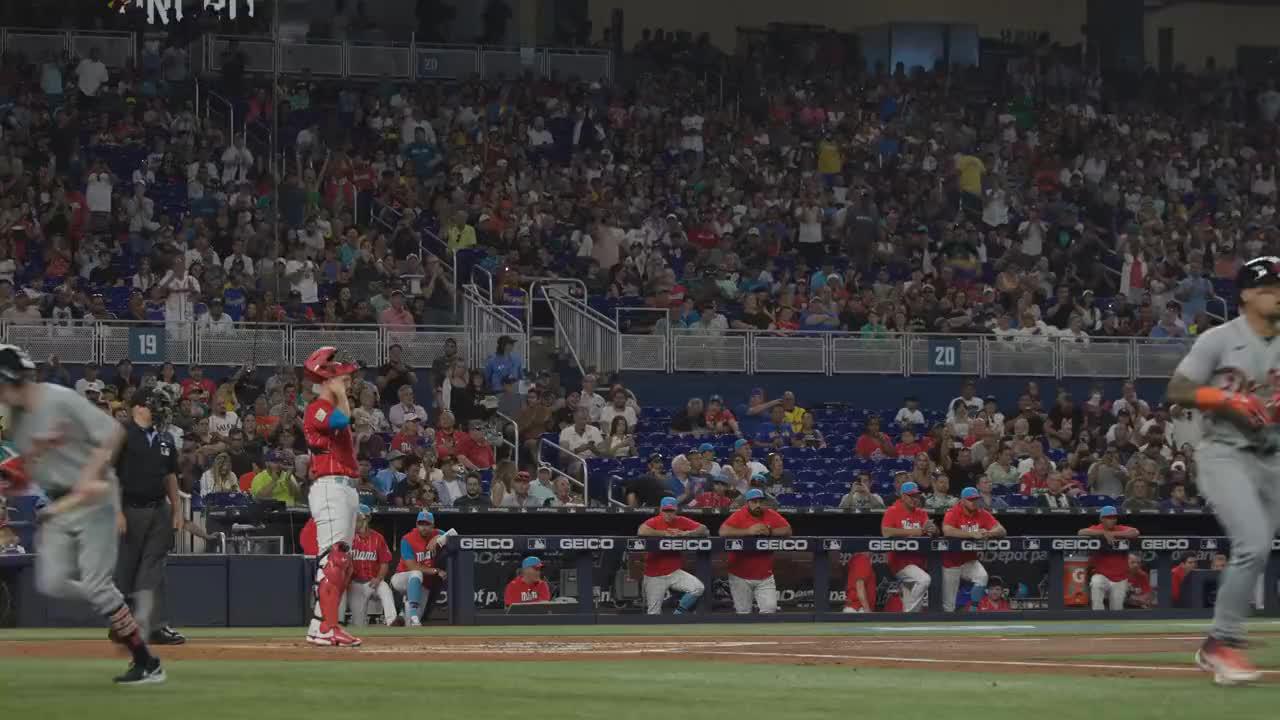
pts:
[57, 468]
[1233, 357]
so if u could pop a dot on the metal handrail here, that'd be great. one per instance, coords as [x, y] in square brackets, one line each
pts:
[515, 446]
[555, 471]
[231, 113]
[560, 332]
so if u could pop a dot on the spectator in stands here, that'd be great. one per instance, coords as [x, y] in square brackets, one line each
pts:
[963, 471]
[406, 407]
[197, 384]
[778, 480]
[502, 364]
[277, 483]
[395, 373]
[387, 480]
[582, 439]
[757, 405]
[474, 449]
[693, 422]
[909, 416]
[618, 408]
[874, 444]
[940, 498]
[1065, 422]
[476, 498]
[809, 435]
[972, 402]
[369, 412]
[792, 412]
[519, 495]
[683, 485]
[542, 486]
[986, 499]
[219, 478]
[716, 496]
[1138, 496]
[860, 496]
[1036, 480]
[742, 449]
[719, 419]
[1178, 499]
[1054, 495]
[563, 495]
[649, 488]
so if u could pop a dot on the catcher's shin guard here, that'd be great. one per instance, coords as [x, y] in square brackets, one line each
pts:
[334, 578]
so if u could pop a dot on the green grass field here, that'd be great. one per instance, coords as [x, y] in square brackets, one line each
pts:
[439, 685]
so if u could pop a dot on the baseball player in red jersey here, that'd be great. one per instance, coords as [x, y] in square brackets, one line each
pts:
[751, 572]
[860, 585]
[966, 521]
[1178, 575]
[906, 519]
[370, 559]
[528, 586]
[418, 550]
[663, 570]
[332, 497]
[1110, 581]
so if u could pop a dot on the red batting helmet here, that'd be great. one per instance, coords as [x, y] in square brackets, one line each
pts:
[323, 364]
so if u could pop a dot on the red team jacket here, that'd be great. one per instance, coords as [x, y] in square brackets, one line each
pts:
[518, 591]
[958, 518]
[898, 517]
[414, 545]
[985, 605]
[368, 551]
[753, 565]
[1112, 565]
[662, 564]
[860, 569]
[333, 452]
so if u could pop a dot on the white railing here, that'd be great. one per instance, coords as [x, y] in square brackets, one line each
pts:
[560, 454]
[678, 350]
[590, 337]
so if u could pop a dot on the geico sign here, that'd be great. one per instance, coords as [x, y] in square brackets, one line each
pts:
[986, 545]
[899, 545]
[586, 543]
[487, 544]
[1081, 544]
[781, 544]
[670, 544]
[1166, 544]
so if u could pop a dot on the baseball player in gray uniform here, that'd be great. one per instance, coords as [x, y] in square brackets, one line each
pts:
[1232, 374]
[67, 448]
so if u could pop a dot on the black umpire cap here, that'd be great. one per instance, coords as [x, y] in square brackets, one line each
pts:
[15, 365]
[1259, 272]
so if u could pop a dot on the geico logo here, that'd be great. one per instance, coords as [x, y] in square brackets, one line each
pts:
[781, 544]
[899, 545]
[586, 543]
[985, 545]
[1081, 544]
[684, 544]
[488, 544]
[1166, 544]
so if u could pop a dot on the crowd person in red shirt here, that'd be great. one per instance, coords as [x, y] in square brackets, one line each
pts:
[1036, 480]
[1110, 579]
[370, 559]
[751, 571]
[717, 496]
[860, 585]
[720, 419]
[1140, 593]
[907, 519]
[909, 445]
[873, 443]
[528, 586]
[197, 381]
[663, 570]
[473, 449]
[995, 600]
[1178, 576]
[332, 496]
[966, 521]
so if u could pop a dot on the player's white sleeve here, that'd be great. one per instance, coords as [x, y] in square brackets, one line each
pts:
[1199, 364]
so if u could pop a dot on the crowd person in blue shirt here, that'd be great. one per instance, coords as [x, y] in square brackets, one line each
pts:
[503, 364]
[423, 155]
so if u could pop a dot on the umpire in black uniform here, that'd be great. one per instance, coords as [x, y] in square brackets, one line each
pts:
[152, 514]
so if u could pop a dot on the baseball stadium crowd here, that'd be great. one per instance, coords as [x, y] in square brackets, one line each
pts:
[822, 198]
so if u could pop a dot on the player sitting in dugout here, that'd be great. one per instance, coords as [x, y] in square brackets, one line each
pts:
[528, 586]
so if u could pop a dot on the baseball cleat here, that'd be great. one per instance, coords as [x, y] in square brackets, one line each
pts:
[320, 639]
[397, 622]
[167, 636]
[139, 675]
[342, 638]
[415, 621]
[1228, 665]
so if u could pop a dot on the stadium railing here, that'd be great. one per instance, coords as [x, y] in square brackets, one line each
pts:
[671, 350]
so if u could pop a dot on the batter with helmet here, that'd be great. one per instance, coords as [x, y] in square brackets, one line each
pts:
[67, 447]
[332, 495]
[1232, 374]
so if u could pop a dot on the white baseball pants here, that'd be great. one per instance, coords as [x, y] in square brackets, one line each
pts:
[358, 597]
[915, 588]
[972, 571]
[764, 593]
[655, 589]
[1102, 588]
[334, 504]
